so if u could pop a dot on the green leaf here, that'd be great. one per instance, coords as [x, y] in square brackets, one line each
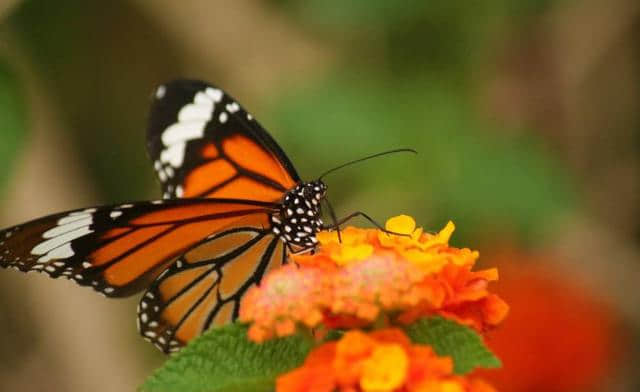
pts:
[12, 113]
[223, 359]
[334, 334]
[449, 338]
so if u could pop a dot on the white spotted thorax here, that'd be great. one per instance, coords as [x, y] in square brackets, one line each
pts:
[298, 220]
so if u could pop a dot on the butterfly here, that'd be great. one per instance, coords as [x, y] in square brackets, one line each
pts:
[233, 207]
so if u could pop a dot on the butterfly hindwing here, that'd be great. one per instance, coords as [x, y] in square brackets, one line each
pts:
[204, 144]
[119, 250]
[204, 287]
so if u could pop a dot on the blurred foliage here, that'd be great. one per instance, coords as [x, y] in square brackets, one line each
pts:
[14, 124]
[465, 171]
[14, 120]
[101, 76]
[445, 37]
[407, 80]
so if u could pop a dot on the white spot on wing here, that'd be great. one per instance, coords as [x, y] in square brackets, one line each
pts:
[54, 249]
[202, 98]
[173, 155]
[115, 214]
[223, 117]
[196, 112]
[65, 228]
[160, 91]
[72, 218]
[214, 93]
[233, 107]
[169, 171]
[61, 252]
[182, 132]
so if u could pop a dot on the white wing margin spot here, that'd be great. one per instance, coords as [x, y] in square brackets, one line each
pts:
[192, 119]
[57, 240]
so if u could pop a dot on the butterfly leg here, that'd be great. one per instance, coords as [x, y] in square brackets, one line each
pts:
[300, 251]
[332, 213]
[336, 225]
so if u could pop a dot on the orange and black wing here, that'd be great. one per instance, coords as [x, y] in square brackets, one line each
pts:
[204, 287]
[119, 250]
[205, 145]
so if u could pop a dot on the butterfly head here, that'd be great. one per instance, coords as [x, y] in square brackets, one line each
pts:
[299, 220]
[315, 190]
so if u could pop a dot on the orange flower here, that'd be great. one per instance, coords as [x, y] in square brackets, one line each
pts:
[380, 282]
[315, 376]
[381, 361]
[373, 276]
[353, 246]
[287, 296]
[466, 299]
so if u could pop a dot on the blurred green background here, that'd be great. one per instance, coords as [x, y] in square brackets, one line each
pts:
[525, 115]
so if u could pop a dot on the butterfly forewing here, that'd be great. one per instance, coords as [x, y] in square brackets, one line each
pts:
[204, 144]
[119, 250]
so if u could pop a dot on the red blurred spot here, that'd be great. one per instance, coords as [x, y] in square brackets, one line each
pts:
[557, 337]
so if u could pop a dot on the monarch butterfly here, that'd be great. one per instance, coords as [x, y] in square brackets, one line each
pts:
[233, 206]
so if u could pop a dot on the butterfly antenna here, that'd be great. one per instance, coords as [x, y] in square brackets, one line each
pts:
[367, 158]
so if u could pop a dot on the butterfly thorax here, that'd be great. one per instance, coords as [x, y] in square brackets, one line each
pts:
[298, 219]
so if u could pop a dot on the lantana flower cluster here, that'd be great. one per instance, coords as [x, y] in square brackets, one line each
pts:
[384, 360]
[368, 277]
